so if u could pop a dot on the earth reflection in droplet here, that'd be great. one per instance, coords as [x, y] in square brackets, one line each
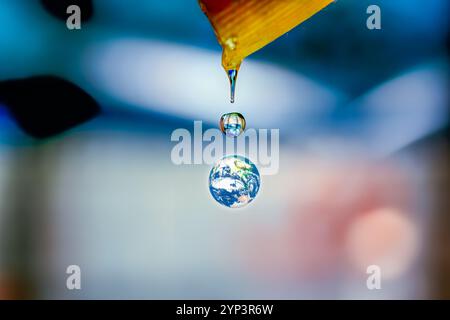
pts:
[234, 181]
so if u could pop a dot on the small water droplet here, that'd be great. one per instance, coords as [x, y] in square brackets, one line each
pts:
[232, 76]
[232, 124]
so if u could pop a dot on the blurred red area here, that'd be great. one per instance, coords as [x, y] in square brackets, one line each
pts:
[339, 216]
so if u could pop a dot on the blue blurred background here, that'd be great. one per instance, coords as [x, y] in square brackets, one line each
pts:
[363, 179]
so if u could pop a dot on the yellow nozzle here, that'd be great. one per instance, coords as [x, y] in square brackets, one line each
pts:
[245, 26]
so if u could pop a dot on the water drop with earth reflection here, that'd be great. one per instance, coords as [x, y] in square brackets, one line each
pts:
[234, 181]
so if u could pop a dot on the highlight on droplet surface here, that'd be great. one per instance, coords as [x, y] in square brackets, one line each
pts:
[234, 181]
[232, 124]
[232, 76]
[231, 43]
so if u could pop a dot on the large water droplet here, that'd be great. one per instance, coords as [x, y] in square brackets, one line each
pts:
[232, 124]
[234, 181]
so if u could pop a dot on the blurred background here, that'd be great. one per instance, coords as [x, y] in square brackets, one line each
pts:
[364, 154]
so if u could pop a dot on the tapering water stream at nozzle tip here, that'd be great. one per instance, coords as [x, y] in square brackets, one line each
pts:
[232, 76]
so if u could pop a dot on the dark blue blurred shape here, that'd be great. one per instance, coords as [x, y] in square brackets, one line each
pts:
[45, 106]
[58, 8]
